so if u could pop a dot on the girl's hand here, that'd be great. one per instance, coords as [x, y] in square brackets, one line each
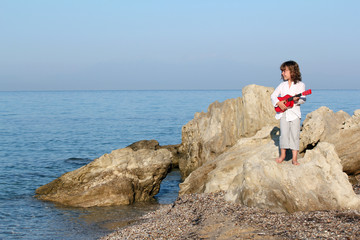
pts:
[296, 99]
[282, 105]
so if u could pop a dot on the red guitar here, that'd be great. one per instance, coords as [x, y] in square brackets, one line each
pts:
[289, 100]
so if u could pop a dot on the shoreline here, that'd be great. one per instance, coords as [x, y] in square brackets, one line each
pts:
[210, 216]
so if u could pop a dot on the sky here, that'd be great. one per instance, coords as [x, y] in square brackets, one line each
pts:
[176, 45]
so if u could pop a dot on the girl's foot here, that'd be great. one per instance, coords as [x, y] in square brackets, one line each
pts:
[279, 160]
[295, 162]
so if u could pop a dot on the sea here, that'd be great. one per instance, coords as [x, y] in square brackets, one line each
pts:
[44, 134]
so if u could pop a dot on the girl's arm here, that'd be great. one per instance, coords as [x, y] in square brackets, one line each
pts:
[275, 95]
[301, 99]
[275, 101]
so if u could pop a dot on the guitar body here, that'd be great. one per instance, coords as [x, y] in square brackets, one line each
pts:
[289, 102]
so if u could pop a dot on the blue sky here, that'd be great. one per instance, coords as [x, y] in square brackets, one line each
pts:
[197, 44]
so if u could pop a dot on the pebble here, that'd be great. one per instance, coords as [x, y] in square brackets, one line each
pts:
[210, 216]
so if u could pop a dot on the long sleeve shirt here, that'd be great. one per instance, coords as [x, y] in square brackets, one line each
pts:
[284, 89]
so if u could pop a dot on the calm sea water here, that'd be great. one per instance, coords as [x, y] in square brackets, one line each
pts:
[45, 134]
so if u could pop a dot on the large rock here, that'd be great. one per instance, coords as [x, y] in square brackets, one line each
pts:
[210, 134]
[317, 184]
[124, 176]
[340, 129]
[249, 174]
[219, 173]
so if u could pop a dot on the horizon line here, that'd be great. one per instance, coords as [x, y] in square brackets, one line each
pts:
[94, 90]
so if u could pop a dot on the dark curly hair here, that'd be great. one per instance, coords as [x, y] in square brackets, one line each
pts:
[294, 70]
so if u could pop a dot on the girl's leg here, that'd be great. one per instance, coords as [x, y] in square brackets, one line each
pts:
[294, 157]
[282, 155]
[284, 133]
[295, 140]
[284, 138]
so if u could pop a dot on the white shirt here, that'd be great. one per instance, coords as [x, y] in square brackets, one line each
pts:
[284, 89]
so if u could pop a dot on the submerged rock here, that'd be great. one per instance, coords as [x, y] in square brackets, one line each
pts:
[128, 175]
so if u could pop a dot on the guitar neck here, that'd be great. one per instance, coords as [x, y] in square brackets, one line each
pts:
[297, 95]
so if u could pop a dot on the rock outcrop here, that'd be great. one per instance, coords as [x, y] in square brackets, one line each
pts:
[218, 174]
[230, 148]
[318, 184]
[131, 174]
[340, 129]
[249, 174]
[210, 134]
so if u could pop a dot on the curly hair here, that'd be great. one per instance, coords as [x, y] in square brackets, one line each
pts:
[294, 70]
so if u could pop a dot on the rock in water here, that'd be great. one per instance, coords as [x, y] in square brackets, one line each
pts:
[128, 175]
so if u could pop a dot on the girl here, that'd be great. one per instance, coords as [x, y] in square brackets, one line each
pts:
[290, 117]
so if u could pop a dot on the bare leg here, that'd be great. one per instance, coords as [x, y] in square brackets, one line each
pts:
[294, 160]
[282, 155]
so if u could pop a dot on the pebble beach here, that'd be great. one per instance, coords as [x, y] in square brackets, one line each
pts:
[210, 216]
